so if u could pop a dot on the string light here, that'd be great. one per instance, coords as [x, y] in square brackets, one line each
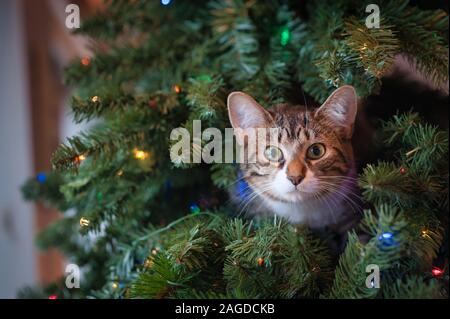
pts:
[177, 89]
[80, 158]
[53, 297]
[148, 263]
[85, 61]
[205, 78]
[139, 154]
[403, 170]
[84, 222]
[386, 239]
[41, 178]
[95, 99]
[386, 235]
[285, 36]
[115, 285]
[260, 261]
[425, 233]
[437, 272]
[242, 187]
[119, 172]
[165, 2]
[194, 209]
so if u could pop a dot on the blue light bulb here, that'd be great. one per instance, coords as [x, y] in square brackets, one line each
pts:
[242, 188]
[386, 239]
[194, 209]
[41, 178]
[165, 2]
[386, 235]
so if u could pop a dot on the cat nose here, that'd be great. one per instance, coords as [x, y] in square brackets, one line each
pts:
[295, 179]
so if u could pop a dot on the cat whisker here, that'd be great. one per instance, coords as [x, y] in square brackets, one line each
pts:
[345, 196]
[330, 187]
[339, 178]
[322, 200]
[256, 193]
[244, 190]
[238, 180]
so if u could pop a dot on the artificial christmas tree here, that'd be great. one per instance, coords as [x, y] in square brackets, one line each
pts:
[140, 225]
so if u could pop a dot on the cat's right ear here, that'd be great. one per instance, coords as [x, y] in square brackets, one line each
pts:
[339, 110]
[244, 112]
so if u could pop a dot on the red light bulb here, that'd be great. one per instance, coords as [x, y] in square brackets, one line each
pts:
[437, 272]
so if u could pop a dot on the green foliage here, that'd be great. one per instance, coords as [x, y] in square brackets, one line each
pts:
[350, 280]
[418, 31]
[340, 49]
[48, 190]
[377, 47]
[160, 282]
[413, 287]
[420, 177]
[257, 260]
[156, 68]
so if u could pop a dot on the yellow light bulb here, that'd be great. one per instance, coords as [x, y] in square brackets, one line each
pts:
[177, 89]
[425, 233]
[139, 154]
[95, 99]
[84, 222]
[78, 159]
[114, 285]
[148, 263]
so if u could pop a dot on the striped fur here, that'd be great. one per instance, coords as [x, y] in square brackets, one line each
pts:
[326, 194]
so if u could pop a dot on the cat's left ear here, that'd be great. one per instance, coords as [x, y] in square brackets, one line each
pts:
[339, 110]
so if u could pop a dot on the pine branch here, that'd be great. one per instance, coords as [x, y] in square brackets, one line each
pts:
[418, 31]
[98, 141]
[235, 34]
[161, 281]
[350, 276]
[207, 100]
[385, 183]
[375, 48]
[412, 287]
[116, 101]
[224, 175]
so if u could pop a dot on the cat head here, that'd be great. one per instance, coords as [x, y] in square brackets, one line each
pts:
[313, 155]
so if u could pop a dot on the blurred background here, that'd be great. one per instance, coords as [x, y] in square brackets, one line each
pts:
[35, 45]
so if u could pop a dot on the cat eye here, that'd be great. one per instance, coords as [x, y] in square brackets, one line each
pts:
[273, 154]
[315, 151]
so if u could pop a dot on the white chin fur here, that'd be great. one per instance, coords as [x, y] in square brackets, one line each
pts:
[299, 206]
[287, 191]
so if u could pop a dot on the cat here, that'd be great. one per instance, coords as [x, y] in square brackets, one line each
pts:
[310, 178]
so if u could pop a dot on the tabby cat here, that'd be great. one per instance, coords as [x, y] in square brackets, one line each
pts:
[310, 177]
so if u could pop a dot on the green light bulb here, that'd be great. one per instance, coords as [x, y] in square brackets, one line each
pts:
[285, 36]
